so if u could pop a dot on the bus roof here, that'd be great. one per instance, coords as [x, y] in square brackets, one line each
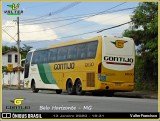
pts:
[76, 42]
[32, 50]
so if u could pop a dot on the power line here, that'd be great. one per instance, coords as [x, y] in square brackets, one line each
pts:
[102, 11]
[61, 17]
[76, 17]
[96, 24]
[57, 20]
[55, 12]
[14, 36]
[73, 16]
[97, 31]
[77, 20]
[7, 26]
[114, 27]
[10, 40]
[9, 34]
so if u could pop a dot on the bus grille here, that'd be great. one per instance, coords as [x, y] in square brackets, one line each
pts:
[91, 79]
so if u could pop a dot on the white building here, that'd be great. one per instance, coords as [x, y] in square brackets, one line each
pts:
[10, 57]
[10, 77]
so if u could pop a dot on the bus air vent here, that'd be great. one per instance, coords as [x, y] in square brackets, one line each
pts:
[91, 79]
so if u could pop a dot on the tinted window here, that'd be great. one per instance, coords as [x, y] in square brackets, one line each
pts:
[36, 57]
[26, 71]
[52, 56]
[81, 51]
[62, 53]
[40, 57]
[43, 56]
[28, 58]
[72, 52]
[92, 49]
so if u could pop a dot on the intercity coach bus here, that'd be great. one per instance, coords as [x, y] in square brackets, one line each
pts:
[100, 64]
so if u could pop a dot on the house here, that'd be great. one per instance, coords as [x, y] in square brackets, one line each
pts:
[10, 67]
[10, 57]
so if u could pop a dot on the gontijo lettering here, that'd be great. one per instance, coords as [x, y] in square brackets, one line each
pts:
[118, 59]
[64, 66]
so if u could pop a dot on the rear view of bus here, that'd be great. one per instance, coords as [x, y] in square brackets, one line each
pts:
[118, 60]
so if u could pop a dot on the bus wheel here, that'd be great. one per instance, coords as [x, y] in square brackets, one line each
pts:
[59, 91]
[70, 87]
[33, 86]
[79, 88]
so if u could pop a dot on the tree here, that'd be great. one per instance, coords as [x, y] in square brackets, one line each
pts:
[144, 31]
[5, 48]
[24, 50]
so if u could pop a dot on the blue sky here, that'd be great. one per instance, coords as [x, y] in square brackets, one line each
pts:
[36, 9]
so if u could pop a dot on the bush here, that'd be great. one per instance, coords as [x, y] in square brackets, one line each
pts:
[143, 86]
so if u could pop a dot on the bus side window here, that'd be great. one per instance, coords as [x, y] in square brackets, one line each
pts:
[38, 59]
[52, 56]
[72, 53]
[43, 56]
[28, 58]
[34, 59]
[81, 51]
[27, 65]
[92, 49]
[62, 53]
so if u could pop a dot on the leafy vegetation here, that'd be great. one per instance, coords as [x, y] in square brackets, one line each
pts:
[24, 50]
[144, 31]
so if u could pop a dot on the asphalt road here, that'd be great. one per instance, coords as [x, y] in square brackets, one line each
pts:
[51, 102]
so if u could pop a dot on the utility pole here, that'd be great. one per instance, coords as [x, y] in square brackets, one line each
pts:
[18, 48]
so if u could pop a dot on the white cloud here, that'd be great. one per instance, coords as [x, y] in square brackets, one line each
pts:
[42, 35]
[109, 19]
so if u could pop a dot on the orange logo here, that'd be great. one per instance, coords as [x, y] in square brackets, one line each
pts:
[119, 43]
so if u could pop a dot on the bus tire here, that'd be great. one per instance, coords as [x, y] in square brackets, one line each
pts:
[69, 87]
[78, 86]
[58, 91]
[33, 86]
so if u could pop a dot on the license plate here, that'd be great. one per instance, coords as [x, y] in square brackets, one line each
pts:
[117, 84]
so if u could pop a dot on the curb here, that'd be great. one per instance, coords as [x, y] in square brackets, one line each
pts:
[137, 94]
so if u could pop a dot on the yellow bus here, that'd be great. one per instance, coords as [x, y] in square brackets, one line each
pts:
[100, 64]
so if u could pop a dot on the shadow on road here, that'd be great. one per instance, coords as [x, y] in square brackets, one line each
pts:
[134, 94]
